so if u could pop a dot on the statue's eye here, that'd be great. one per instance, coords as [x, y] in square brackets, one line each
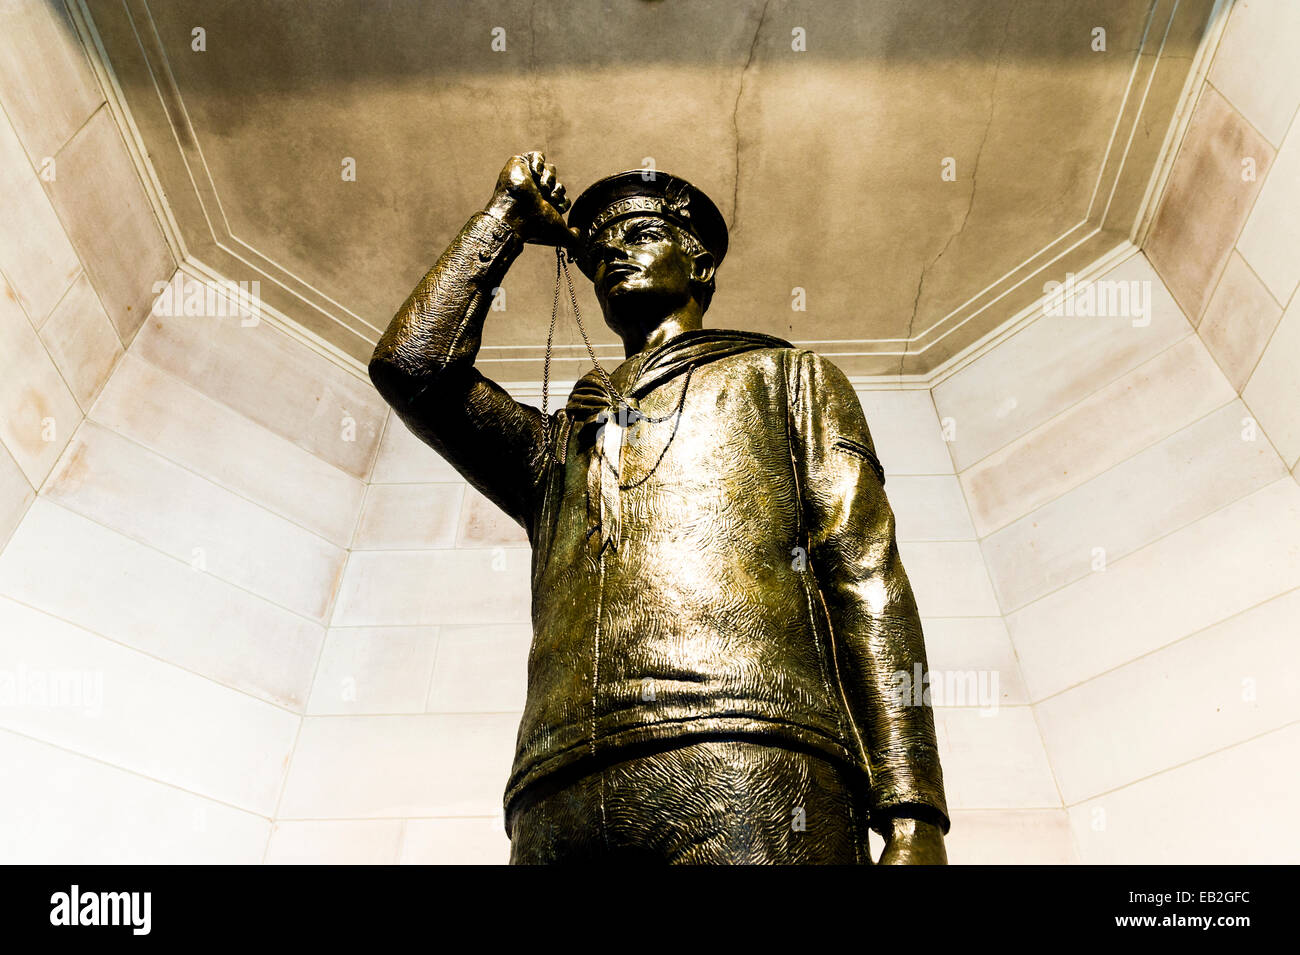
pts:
[648, 234]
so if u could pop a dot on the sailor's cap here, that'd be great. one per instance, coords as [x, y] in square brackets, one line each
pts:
[647, 192]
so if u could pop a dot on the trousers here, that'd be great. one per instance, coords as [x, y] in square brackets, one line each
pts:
[714, 802]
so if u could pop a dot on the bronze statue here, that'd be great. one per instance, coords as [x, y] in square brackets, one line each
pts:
[719, 609]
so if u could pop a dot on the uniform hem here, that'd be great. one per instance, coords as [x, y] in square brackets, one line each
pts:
[686, 731]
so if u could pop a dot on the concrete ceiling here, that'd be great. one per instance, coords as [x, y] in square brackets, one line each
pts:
[826, 163]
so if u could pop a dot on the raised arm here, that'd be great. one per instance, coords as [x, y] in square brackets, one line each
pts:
[876, 627]
[424, 363]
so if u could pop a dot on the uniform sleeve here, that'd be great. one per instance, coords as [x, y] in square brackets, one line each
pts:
[876, 627]
[424, 367]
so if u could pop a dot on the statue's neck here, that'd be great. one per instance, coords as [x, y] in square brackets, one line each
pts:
[648, 335]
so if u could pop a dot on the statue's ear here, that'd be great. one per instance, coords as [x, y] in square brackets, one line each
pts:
[703, 267]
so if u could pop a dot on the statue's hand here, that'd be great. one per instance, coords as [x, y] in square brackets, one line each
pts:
[913, 842]
[530, 200]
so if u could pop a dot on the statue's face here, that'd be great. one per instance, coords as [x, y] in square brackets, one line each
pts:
[637, 260]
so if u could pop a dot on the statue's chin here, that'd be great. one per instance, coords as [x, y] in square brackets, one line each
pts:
[625, 302]
[631, 308]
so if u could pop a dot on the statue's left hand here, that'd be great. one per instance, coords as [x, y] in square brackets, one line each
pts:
[913, 842]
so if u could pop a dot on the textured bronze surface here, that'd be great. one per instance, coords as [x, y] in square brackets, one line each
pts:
[713, 553]
[721, 801]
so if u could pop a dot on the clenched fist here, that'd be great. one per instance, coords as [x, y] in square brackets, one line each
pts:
[530, 200]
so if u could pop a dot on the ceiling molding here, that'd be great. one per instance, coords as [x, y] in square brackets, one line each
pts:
[1146, 60]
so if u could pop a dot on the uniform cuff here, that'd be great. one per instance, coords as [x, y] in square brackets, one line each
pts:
[491, 237]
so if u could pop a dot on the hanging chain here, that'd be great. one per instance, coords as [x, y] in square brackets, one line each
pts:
[562, 274]
[677, 415]
[546, 365]
[563, 265]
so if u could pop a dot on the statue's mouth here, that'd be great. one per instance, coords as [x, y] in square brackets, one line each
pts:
[617, 272]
